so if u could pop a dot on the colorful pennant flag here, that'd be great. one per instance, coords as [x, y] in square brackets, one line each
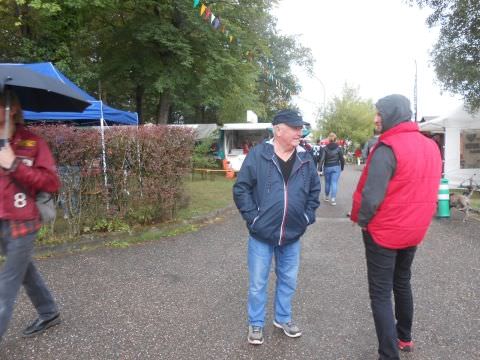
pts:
[208, 12]
[266, 65]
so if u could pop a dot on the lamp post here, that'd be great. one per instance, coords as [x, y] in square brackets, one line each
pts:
[415, 94]
[324, 94]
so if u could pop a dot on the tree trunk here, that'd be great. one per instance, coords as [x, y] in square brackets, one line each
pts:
[139, 91]
[22, 11]
[163, 108]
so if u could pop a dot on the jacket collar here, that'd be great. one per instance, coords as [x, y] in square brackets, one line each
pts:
[407, 126]
[268, 153]
[299, 148]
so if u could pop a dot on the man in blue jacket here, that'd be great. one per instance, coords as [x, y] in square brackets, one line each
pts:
[277, 192]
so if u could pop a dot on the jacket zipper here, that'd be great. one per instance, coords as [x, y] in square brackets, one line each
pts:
[285, 202]
[285, 206]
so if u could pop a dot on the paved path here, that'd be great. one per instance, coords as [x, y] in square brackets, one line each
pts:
[184, 297]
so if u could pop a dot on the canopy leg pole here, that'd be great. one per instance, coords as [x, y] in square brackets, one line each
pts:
[104, 161]
[139, 164]
[6, 130]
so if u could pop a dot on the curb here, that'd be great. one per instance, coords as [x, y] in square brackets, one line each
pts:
[102, 239]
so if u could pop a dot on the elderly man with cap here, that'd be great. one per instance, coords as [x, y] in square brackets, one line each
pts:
[277, 192]
[394, 203]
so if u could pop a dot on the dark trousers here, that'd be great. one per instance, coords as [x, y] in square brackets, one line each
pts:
[389, 270]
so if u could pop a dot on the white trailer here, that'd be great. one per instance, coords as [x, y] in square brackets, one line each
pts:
[235, 136]
[461, 131]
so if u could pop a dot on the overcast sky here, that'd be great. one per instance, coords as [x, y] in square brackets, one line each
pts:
[370, 44]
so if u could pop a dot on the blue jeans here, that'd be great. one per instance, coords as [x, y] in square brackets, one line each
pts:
[332, 174]
[19, 269]
[389, 270]
[287, 259]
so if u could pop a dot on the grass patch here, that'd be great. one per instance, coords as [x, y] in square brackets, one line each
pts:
[475, 200]
[206, 196]
[151, 235]
[475, 203]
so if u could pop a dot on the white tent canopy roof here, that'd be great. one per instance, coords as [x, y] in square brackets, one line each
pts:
[458, 118]
[434, 126]
[247, 126]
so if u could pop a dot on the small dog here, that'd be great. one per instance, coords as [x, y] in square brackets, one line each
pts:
[461, 202]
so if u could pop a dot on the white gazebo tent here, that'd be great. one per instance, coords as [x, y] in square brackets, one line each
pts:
[462, 143]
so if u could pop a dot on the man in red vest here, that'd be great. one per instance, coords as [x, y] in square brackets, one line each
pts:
[394, 203]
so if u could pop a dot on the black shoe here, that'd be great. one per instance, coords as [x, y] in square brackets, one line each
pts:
[39, 326]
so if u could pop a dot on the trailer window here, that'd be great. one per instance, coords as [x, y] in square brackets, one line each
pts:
[470, 149]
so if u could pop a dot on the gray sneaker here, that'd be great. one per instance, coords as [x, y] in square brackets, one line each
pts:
[255, 335]
[289, 328]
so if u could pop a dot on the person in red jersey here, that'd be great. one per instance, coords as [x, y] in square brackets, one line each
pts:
[26, 167]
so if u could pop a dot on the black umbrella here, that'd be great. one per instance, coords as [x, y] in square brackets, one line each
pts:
[37, 92]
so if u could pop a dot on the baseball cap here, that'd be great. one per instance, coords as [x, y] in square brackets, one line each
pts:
[289, 117]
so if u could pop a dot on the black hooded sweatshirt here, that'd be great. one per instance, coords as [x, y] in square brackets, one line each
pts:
[393, 109]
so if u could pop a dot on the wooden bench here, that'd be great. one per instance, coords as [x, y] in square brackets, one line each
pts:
[206, 172]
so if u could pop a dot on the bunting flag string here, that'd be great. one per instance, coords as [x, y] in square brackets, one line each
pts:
[216, 23]
[208, 12]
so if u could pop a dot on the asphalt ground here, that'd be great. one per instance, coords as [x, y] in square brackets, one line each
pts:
[185, 297]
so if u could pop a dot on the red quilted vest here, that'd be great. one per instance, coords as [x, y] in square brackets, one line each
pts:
[405, 214]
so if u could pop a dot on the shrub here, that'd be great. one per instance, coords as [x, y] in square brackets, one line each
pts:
[203, 156]
[145, 167]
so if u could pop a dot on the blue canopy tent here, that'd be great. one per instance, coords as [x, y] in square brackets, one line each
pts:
[96, 113]
[90, 116]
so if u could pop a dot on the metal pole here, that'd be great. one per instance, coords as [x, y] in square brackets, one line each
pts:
[324, 93]
[139, 163]
[104, 160]
[6, 128]
[415, 94]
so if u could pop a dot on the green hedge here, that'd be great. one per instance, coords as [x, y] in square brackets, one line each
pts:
[145, 168]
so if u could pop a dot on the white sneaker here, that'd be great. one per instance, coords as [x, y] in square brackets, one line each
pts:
[290, 328]
[255, 335]
[333, 202]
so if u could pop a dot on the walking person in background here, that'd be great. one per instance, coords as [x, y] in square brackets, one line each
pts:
[318, 153]
[277, 192]
[333, 164]
[26, 167]
[367, 148]
[358, 156]
[394, 203]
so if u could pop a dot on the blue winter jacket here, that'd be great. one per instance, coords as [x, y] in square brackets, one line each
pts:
[277, 212]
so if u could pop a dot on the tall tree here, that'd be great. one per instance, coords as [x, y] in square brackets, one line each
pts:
[456, 55]
[349, 116]
[160, 58]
